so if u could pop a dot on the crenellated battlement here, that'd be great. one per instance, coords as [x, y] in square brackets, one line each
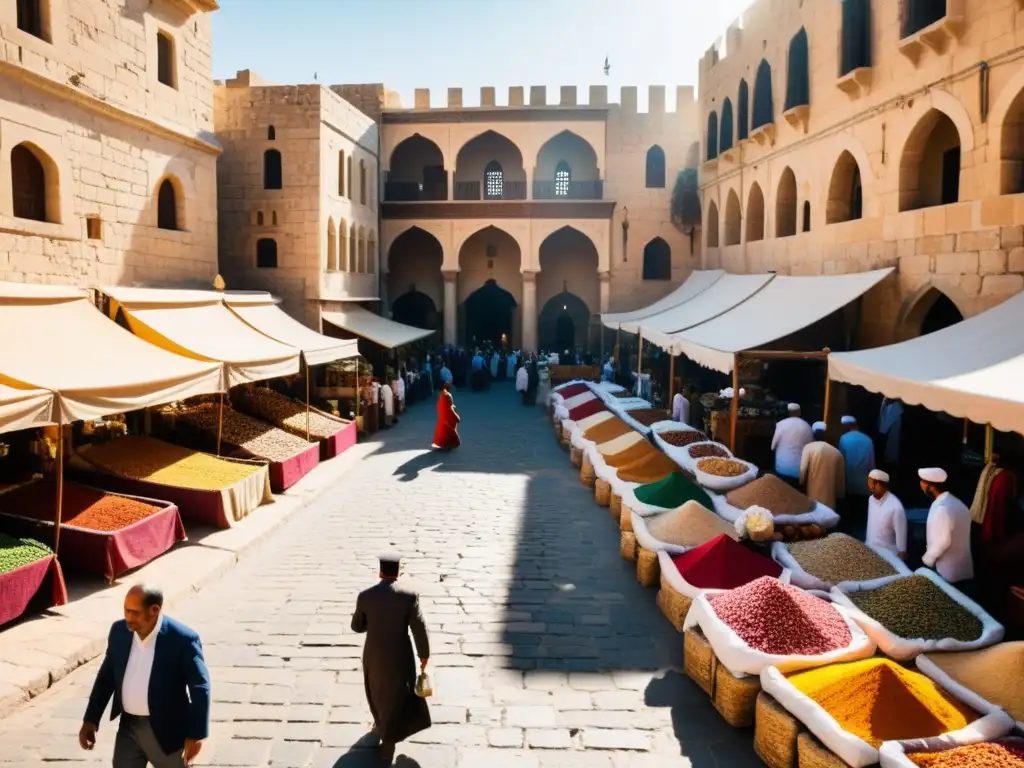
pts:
[564, 96]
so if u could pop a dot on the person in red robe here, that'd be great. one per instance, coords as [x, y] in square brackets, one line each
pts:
[446, 433]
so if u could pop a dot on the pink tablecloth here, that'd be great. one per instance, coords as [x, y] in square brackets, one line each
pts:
[20, 586]
[339, 442]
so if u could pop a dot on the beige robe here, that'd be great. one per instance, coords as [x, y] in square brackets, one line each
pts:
[823, 470]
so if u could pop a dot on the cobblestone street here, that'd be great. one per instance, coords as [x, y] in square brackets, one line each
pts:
[545, 650]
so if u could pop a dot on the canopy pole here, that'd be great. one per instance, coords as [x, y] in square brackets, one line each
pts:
[671, 380]
[828, 387]
[307, 402]
[967, 424]
[734, 406]
[357, 397]
[990, 443]
[220, 422]
[60, 488]
[639, 361]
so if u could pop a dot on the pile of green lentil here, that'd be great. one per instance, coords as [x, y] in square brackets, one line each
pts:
[914, 607]
[15, 552]
[838, 557]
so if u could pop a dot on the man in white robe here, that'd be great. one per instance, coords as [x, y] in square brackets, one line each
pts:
[389, 405]
[948, 529]
[887, 520]
[791, 435]
[495, 362]
[821, 468]
[400, 392]
[523, 383]
[680, 408]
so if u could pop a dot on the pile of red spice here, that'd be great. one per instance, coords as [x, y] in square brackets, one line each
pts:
[82, 507]
[723, 563]
[572, 390]
[777, 618]
[1002, 753]
[588, 408]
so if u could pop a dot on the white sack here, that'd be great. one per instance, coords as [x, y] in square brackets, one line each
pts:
[646, 539]
[676, 580]
[804, 580]
[689, 462]
[892, 754]
[932, 670]
[723, 484]
[820, 515]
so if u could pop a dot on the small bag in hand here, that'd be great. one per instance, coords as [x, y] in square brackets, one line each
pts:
[424, 685]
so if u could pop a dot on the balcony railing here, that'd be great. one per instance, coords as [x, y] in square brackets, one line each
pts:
[471, 190]
[575, 190]
[414, 191]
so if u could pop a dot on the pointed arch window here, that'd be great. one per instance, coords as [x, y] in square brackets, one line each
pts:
[763, 107]
[798, 78]
[743, 112]
[167, 206]
[712, 140]
[341, 173]
[725, 130]
[657, 260]
[655, 168]
[266, 253]
[494, 185]
[807, 216]
[271, 133]
[855, 43]
[28, 181]
[563, 178]
[272, 169]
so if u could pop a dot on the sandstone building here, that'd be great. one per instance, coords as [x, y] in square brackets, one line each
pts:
[845, 136]
[108, 164]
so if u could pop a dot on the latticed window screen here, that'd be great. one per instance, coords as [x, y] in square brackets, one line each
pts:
[493, 181]
[562, 178]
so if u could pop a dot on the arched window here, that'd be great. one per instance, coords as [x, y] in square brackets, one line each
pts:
[266, 253]
[271, 133]
[785, 205]
[272, 169]
[798, 79]
[371, 254]
[807, 216]
[711, 226]
[657, 260]
[343, 257]
[167, 206]
[361, 260]
[259, 218]
[930, 163]
[362, 182]
[563, 178]
[755, 214]
[273, 218]
[348, 178]
[763, 109]
[743, 112]
[353, 249]
[494, 186]
[332, 247]
[30, 18]
[165, 60]
[28, 182]
[855, 43]
[712, 140]
[725, 130]
[733, 220]
[341, 173]
[845, 197]
[915, 15]
[655, 168]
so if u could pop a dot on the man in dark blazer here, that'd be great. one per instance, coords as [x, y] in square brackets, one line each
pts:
[155, 672]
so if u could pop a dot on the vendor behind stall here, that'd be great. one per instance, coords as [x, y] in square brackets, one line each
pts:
[791, 435]
[821, 468]
[887, 520]
[948, 530]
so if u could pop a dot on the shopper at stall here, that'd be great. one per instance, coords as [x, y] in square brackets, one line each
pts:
[821, 469]
[387, 613]
[511, 365]
[887, 520]
[608, 372]
[948, 530]
[523, 383]
[680, 408]
[859, 453]
[388, 398]
[399, 385]
[156, 675]
[791, 435]
[446, 433]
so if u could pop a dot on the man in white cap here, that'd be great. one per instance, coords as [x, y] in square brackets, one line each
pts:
[821, 468]
[859, 454]
[948, 530]
[791, 435]
[887, 520]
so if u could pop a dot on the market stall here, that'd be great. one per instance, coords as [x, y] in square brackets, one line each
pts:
[26, 567]
[380, 330]
[698, 281]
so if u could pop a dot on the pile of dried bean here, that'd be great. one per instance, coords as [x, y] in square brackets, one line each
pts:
[722, 467]
[916, 608]
[682, 437]
[838, 558]
[284, 412]
[707, 450]
[773, 494]
[15, 552]
[648, 416]
[1001, 753]
[257, 437]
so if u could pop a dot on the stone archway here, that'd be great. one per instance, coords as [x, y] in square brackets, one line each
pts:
[490, 259]
[417, 309]
[414, 266]
[930, 309]
[488, 316]
[564, 323]
[490, 167]
[930, 164]
[416, 171]
[569, 265]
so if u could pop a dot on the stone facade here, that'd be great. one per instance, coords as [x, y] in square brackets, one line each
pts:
[310, 234]
[108, 169]
[547, 227]
[897, 140]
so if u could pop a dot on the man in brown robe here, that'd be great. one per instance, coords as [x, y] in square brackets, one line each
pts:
[823, 469]
[387, 612]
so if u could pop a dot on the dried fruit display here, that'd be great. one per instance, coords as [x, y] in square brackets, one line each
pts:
[722, 467]
[260, 439]
[707, 450]
[683, 437]
[82, 507]
[15, 552]
[283, 412]
[648, 416]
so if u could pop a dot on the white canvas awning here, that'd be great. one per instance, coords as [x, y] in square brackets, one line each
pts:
[699, 280]
[24, 408]
[971, 370]
[784, 306]
[260, 310]
[380, 330]
[56, 339]
[197, 324]
[724, 294]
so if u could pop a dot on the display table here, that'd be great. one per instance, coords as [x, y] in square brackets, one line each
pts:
[286, 473]
[339, 442]
[20, 586]
[559, 374]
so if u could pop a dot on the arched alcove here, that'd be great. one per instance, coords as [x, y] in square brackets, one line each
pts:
[725, 128]
[764, 110]
[657, 260]
[798, 77]
[655, 168]
[566, 168]
[564, 323]
[755, 213]
[417, 309]
[732, 218]
[416, 171]
[743, 111]
[845, 193]
[785, 205]
[490, 165]
[930, 163]
[712, 136]
[414, 264]
[855, 39]
[711, 226]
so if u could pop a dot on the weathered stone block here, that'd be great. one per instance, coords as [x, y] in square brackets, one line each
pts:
[1001, 285]
[1011, 237]
[983, 240]
[916, 265]
[1016, 260]
[936, 244]
[992, 262]
[965, 263]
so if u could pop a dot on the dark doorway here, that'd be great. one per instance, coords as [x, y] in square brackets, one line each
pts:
[951, 176]
[564, 323]
[565, 333]
[942, 314]
[488, 313]
[417, 309]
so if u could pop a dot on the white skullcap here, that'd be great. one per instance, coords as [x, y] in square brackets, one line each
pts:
[933, 475]
[848, 420]
[879, 475]
[819, 426]
[794, 407]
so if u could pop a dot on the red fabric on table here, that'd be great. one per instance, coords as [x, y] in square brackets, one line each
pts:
[723, 563]
[572, 390]
[588, 408]
[339, 442]
[18, 587]
[285, 474]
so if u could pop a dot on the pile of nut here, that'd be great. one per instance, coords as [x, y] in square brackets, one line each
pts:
[648, 416]
[838, 557]
[15, 552]
[281, 411]
[915, 607]
[683, 437]
[722, 467]
[708, 450]
[81, 507]
[256, 437]
[772, 493]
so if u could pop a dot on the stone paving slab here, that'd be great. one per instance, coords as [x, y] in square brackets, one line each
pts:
[545, 650]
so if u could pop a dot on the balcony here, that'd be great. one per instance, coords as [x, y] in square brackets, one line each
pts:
[472, 190]
[414, 192]
[344, 286]
[576, 190]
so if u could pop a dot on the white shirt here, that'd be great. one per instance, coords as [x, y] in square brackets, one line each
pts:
[949, 539]
[522, 379]
[389, 401]
[135, 686]
[401, 388]
[791, 435]
[680, 408]
[887, 524]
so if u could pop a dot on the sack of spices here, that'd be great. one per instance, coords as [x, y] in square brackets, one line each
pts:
[579, 429]
[724, 474]
[836, 559]
[984, 743]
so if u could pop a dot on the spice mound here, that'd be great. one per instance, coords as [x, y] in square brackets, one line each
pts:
[609, 429]
[640, 449]
[285, 413]
[709, 450]
[588, 408]
[689, 526]
[648, 416]
[773, 494]
[257, 437]
[683, 437]
[722, 467]
[916, 608]
[83, 507]
[878, 700]
[15, 552]
[839, 557]
[673, 491]
[722, 563]
[146, 458]
[620, 443]
[571, 390]
[1001, 753]
[996, 674]
[649, 469]
[776, 618]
